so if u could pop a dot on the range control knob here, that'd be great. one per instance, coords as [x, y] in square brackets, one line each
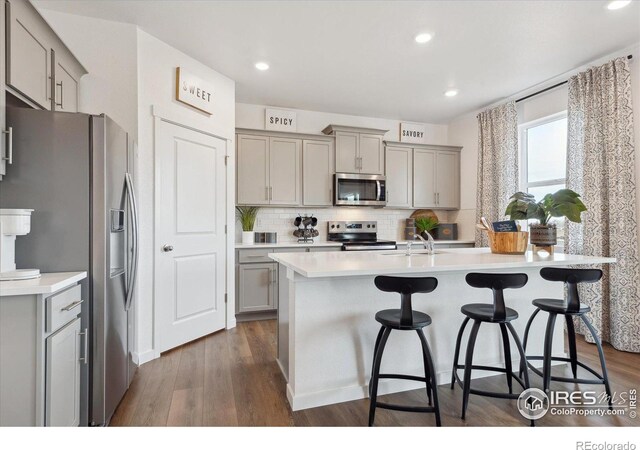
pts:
[374, 225]
[368, 226]
[333, 226]
[337, 226]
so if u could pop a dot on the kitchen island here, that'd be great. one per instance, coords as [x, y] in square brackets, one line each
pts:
[327, 330]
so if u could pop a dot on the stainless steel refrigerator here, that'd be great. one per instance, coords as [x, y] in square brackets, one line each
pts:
[74, 171]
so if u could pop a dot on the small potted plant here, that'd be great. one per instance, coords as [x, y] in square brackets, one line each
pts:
[425, 225]
[247, 217]
[564, 203]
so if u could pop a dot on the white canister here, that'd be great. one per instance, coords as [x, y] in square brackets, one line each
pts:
[247, 237]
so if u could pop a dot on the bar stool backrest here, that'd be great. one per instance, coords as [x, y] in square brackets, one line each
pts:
[497, 282]
[571, 278]
[406, 286]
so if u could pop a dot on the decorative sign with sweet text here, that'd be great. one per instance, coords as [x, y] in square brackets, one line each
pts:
[280, 120]
[412, 132]
[194, 91]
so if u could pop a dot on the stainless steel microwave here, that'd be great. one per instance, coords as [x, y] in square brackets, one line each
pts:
[351, 189]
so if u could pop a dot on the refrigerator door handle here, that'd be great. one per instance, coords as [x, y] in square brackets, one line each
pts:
[133, 267]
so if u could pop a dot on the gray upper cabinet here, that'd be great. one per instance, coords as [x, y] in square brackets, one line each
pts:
[358, 150]
[422, 176]
[252, 160]
[269, 170]
[347, 145]
[66, 85]
[399, 172]
[448, 179]
[285, 171]
[317, 173]
[29, 54]
[371, 153]
[32, 71]
[424, 181]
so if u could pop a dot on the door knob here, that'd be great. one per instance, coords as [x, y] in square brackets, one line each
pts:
[167, 248]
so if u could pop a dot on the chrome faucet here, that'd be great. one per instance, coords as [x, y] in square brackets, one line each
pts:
[428, 243]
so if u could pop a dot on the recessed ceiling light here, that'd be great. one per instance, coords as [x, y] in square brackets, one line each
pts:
[451, 92]
[262, 66]
[423, 37]
[617, 4]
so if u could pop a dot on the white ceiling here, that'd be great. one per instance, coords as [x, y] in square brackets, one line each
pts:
[360, 57]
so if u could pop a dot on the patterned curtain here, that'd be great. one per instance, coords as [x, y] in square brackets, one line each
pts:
[497, 164]
[601, 167]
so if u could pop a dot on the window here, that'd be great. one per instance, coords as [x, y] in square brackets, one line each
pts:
[543, 155]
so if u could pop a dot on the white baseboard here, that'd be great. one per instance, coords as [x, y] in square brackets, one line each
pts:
[144, 357]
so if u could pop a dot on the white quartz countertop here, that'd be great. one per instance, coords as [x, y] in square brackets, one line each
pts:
[335, 244]
[48, 283]
[345, 264]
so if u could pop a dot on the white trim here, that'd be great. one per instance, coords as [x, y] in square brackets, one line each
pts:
[523, 151]
[144, 357]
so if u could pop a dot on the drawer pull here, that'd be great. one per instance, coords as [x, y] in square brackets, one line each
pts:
[70, 306]
[85, 354]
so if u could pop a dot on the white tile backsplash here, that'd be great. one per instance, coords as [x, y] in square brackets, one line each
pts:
[391, 222]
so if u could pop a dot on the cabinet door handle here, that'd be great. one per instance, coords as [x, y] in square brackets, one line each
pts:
[270, 192]
[266, 192]
[438, 198]
[61, 96]
[85, 348]
[71, 306]
[9, 133]
[273, 272]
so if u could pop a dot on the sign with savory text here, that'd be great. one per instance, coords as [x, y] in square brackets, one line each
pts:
[280, 120]
[193, 91]
[412, 132]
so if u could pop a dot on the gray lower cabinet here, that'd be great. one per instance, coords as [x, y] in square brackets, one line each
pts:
[62, 401]
[257, 280]
[42, 348]
[258, 287]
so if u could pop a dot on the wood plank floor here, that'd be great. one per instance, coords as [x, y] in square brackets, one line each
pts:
[230, 378]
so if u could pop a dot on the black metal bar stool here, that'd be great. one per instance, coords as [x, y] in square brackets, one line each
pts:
[569, 309]
[403, 319]
[491, 313]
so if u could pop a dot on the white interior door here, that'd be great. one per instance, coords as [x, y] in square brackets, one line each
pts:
[190, 235]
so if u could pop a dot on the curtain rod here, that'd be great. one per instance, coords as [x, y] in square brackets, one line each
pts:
[550, 87]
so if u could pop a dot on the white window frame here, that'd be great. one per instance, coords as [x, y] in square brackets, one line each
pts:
[523, 156]
[523, 152]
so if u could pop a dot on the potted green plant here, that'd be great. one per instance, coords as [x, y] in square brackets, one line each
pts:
[426, 225]
[247, 217]
[563, 203]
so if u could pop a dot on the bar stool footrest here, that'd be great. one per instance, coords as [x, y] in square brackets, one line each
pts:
[402, 377]
[492, 394]
[600, 379]
[420, 409]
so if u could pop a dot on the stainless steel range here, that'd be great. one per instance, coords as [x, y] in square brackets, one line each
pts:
[358, 236]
